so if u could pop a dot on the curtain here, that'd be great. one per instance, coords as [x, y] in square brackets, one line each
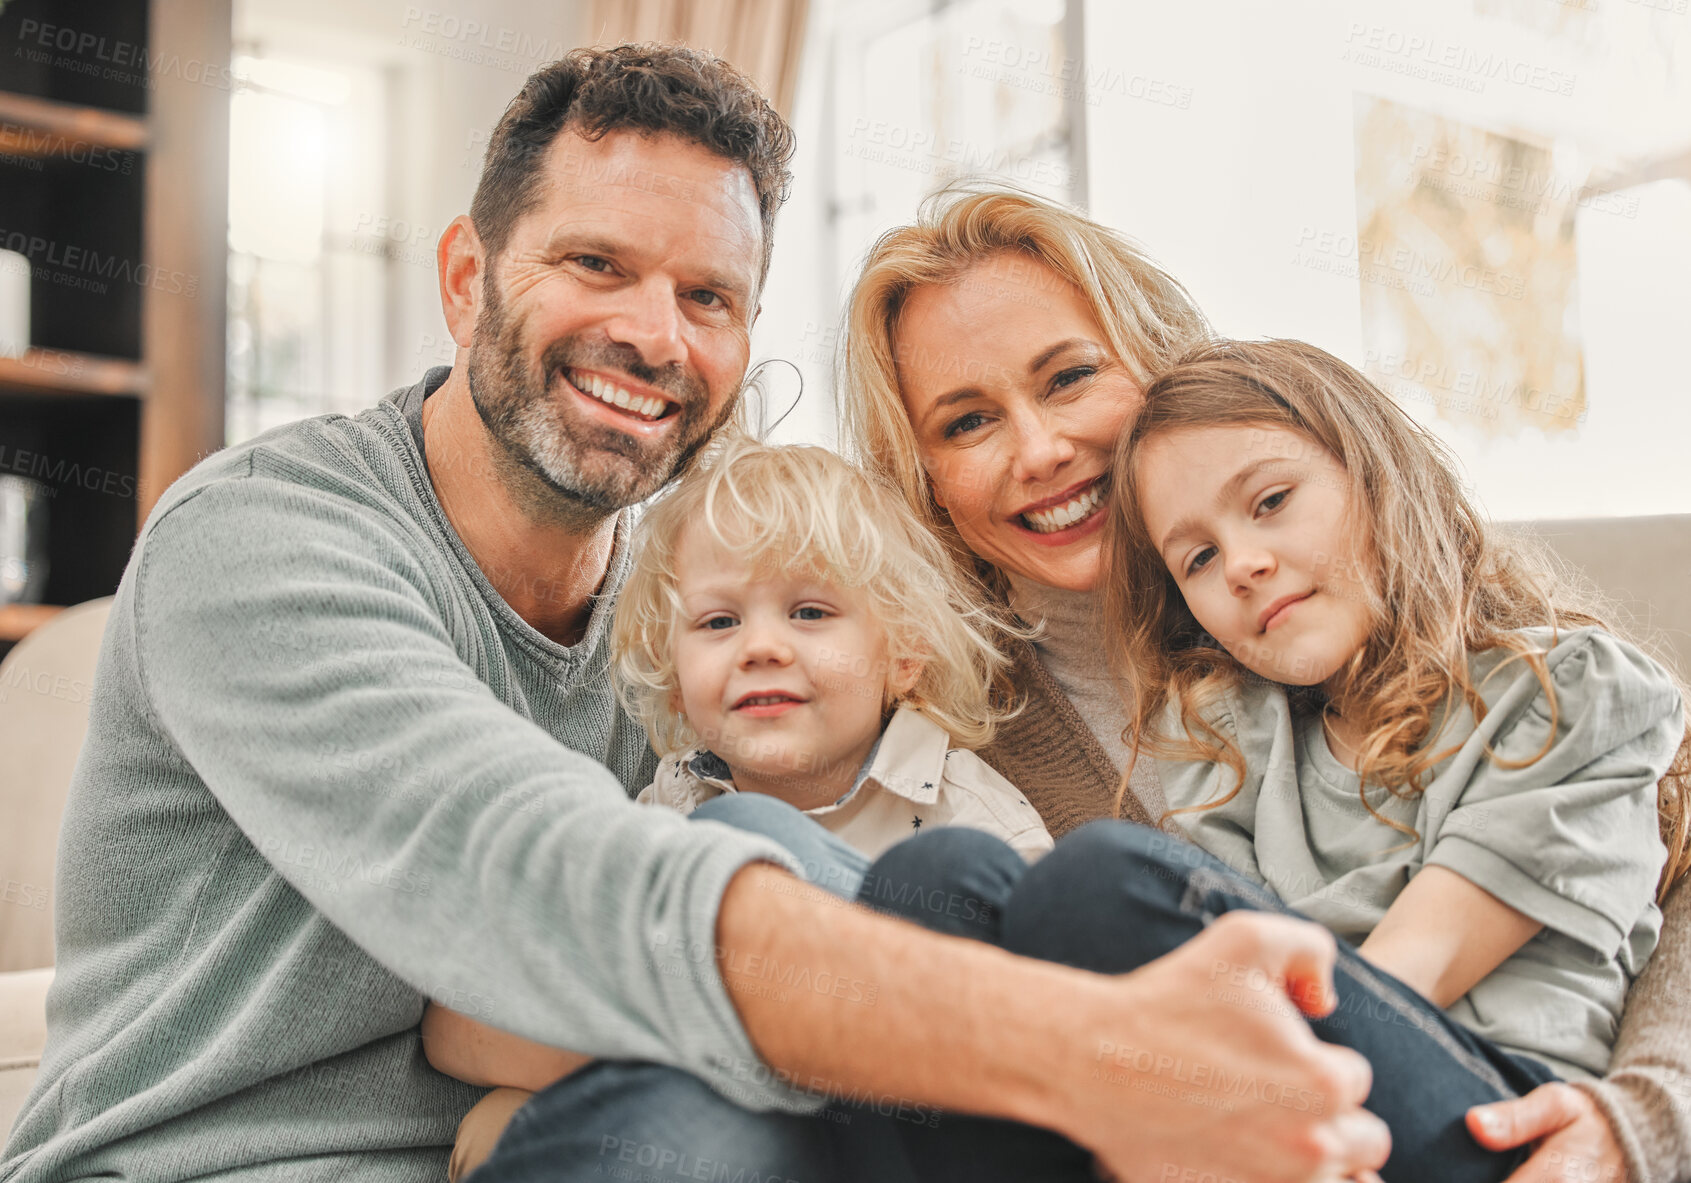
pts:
[761, 37]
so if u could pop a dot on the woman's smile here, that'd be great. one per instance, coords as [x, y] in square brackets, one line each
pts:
[1066, 516]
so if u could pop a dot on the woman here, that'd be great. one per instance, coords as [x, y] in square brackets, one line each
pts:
[994, 351]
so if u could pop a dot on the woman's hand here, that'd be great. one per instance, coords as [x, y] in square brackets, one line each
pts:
[1577, 1141]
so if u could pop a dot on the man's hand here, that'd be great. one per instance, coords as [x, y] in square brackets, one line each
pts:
[1577, 1141]
[1195, 1066]
[1220, 1078]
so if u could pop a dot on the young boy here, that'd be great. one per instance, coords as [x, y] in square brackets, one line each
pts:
[788, 629]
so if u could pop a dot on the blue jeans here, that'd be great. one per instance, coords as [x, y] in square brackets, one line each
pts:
[1113, 896]
[1110, 898]
[826, 860]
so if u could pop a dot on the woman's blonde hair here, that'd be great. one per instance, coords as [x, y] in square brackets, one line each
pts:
[805, 509]
[1147, 317]
[1447, 585]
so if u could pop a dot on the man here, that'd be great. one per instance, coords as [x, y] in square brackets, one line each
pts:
[353, 747]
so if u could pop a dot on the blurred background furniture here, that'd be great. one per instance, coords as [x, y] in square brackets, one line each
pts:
[114, 191]
[22, 1036]
[1643, 564]
[45, 685]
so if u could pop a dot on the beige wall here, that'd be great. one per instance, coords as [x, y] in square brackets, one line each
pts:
[1645, 564]
[1224, 137]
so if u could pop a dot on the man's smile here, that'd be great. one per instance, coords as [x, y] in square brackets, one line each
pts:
[633, 403]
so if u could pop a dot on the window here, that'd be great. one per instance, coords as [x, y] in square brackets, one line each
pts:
[307, 301]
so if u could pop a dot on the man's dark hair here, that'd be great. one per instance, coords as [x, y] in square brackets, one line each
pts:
[651, 89]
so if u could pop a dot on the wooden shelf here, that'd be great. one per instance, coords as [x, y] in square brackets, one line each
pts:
[17, 621]
[59, 371]
[125, 376]
[29, 126]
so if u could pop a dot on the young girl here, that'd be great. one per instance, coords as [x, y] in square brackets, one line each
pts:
[798, 647]
[1364, 701]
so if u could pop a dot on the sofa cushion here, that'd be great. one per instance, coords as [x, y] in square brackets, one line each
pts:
[23, 1033]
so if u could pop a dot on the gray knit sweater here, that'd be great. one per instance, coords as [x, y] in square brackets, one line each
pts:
[329, 775]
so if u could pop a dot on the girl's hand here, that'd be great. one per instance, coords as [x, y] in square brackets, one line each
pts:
[1577, 1141]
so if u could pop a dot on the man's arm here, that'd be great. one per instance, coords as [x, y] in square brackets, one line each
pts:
[913, 1018]
[993, 1050]
[294, 650]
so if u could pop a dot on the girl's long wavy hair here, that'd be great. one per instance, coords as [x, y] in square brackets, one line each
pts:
[1147, 317]
[1447, 584]
[806, 509]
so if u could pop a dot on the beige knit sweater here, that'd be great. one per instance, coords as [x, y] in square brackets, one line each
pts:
[1051, 754]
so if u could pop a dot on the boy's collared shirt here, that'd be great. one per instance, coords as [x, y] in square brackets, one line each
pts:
[912, 779]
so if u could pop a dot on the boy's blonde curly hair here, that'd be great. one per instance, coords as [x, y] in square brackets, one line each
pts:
[806, 509]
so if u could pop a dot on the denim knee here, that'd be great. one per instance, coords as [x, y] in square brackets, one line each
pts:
[1111, 896]
[1099, 841]
[756, 812]
[1130, 862]
[826, 859]
[951, 879]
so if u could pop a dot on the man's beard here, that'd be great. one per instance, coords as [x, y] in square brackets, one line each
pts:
[560, 465]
